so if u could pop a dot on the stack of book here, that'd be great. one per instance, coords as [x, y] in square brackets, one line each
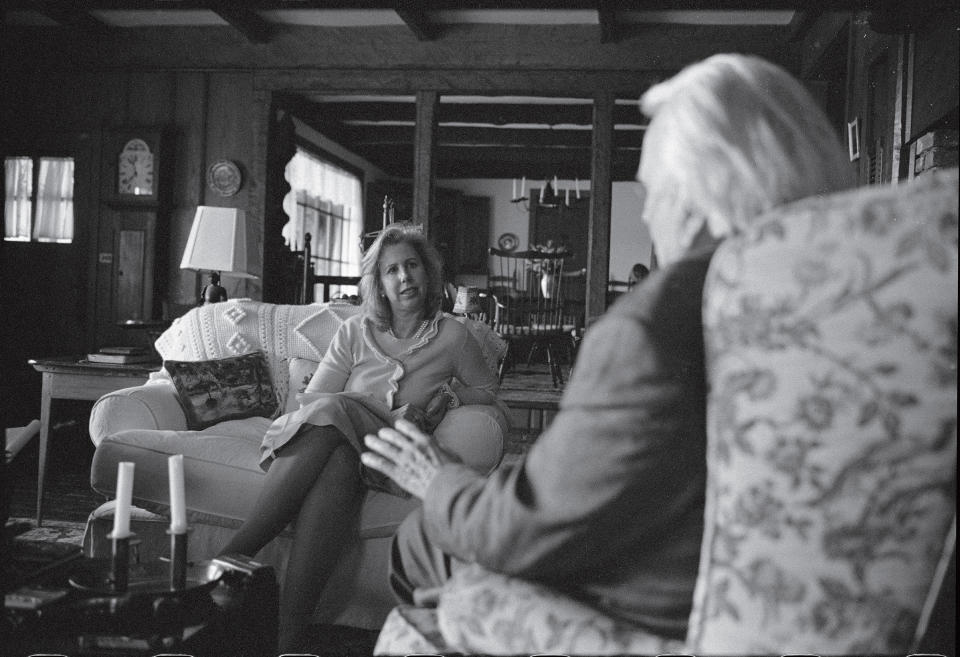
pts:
[123, 355]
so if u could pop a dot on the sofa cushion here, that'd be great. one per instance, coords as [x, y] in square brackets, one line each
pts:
[213, 391]
[222, 474]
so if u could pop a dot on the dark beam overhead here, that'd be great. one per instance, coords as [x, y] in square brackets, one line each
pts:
[248, 23]
[416, 19]
[479, 112]
[441, 5]
[607, 15]
[72, 17]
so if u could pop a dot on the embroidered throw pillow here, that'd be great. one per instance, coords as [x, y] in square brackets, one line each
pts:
[213, 391]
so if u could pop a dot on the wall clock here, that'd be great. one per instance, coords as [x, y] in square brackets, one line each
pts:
[135, 169]
[134, 161]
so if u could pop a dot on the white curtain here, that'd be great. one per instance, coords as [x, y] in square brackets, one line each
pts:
[54, 219]
[321, 195]
[52, 210]
[18, 175]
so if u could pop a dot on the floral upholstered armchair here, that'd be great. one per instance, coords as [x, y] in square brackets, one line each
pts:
[830, 521]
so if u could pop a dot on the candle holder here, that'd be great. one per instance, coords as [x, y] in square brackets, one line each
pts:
[120, 560]
[178, 559]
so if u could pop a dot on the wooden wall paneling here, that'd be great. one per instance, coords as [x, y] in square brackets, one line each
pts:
[150, 97]
[112, 112]
[187, 144]
[274, 149]
[112, 102]
[601, 203]
[259, 184]
[424, 154]
[228, 137]
[936, 90]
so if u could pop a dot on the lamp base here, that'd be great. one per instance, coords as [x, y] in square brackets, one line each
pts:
[212, 292]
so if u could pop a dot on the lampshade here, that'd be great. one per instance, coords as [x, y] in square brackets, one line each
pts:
[218, 242]
[467, 302]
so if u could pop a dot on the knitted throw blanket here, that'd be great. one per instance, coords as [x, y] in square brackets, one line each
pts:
[282, 332]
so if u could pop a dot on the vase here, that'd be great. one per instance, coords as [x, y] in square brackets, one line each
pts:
[546, 285]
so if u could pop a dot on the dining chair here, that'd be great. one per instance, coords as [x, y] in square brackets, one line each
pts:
[531, 306]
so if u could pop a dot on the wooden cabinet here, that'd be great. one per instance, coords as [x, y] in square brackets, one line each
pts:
[473, 235]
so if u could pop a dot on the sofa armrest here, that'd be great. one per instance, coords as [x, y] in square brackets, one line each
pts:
[476, 433]
[153, 405]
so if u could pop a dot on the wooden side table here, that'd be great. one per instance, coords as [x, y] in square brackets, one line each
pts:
[72, 378]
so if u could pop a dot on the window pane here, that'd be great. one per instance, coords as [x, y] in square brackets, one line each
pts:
[18, 177]
[325, 201]
[54, 220]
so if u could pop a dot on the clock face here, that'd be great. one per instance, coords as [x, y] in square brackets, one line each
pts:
[135, 169]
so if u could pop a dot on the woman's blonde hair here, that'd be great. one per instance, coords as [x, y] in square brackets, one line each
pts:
[374, 300]
[733, 136]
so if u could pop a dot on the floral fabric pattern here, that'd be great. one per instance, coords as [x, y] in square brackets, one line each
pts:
[488, 613]
[831, 335]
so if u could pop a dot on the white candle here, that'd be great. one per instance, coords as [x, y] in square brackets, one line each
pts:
[121, 513]
[556, 186]
[542, 188]
[514, 196]
[178, 507]
[576, 184]
[523, 187]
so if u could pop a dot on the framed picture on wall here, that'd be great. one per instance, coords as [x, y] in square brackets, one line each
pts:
[853, 139]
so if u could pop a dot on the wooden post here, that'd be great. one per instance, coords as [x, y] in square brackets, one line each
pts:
[424, 158]
[601, 191]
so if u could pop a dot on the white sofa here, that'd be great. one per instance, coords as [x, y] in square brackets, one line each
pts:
[146, 424]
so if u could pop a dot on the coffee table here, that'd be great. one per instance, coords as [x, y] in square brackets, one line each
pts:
[70, 377]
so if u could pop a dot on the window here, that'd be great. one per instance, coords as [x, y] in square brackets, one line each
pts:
[327, 202]
[39, 199]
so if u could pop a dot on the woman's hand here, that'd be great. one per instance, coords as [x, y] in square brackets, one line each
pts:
[437, 408]
[407, 455]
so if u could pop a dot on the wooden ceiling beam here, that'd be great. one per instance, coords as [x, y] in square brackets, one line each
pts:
[367, 136]
[248, 23]
[489, 113]
[800, 24]
[416, 19]
[607, 15]
[69, 16]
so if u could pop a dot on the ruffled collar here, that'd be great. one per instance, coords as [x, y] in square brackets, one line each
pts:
[370, 331]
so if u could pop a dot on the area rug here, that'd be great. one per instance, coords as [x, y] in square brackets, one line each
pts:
[52, 531]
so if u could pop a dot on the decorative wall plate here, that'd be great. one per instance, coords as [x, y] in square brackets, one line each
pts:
[508, 242]
[224, 178]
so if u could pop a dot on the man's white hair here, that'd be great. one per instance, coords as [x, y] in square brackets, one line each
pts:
[733, 136]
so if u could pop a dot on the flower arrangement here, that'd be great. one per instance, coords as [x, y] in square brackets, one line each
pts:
[545, 266]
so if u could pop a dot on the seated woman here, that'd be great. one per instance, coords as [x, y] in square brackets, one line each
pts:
[396, 358]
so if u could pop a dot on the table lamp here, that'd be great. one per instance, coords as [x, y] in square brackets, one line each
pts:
[218, 244]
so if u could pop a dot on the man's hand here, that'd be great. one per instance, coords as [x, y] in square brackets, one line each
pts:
[407, 455]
